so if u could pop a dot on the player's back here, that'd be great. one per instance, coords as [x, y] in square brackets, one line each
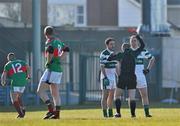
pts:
[17, 72]
[57, 46]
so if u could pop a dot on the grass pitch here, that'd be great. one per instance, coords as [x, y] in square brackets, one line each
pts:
[162, 116]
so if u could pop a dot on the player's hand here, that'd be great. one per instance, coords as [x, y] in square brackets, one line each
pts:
[28, 77]
[105, 81]
[3, 83]
[48, 63]
[66, 49]
[146, 71]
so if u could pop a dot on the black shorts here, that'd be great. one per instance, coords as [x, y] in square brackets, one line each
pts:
[127, 81]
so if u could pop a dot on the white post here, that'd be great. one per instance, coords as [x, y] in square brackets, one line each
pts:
[36, 19]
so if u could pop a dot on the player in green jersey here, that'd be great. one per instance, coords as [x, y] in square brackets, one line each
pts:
[55, 50]
[18, 72]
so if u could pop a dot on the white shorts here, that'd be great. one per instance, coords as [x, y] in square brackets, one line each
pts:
[141, 80]
[112, 84]
[51, 77]
[18, 89]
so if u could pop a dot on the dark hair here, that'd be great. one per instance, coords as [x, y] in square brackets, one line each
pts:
[108, 40]
[48, 30]
[11, 56]
[125, 46]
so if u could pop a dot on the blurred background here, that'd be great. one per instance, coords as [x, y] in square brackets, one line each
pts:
[84, 25]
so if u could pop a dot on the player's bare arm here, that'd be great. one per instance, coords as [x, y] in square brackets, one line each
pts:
[28, 72]
[3, 78]
[103, 70]
[49, 54]
[64, 52]
[151, 63]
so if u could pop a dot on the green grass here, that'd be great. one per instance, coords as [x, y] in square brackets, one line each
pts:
[163, 115]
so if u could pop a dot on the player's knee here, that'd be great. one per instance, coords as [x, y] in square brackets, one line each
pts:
[15, 98]
[144, 95]
[117, 96]
[38, 91]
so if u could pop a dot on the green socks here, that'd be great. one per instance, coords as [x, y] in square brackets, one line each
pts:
[146, 109]
[109, 114]
[105, 113]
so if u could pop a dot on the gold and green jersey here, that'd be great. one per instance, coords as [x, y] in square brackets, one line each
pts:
[57, 46]
[17, 72]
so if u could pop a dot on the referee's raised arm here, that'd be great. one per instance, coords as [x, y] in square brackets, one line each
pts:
[117, 56]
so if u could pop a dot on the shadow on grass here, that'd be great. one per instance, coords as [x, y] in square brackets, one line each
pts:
[90, 105]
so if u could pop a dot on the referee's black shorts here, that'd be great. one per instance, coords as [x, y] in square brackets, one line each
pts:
[127, 81]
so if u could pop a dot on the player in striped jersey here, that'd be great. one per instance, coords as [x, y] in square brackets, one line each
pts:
[18, 72]
[141, 71]
[107, 78]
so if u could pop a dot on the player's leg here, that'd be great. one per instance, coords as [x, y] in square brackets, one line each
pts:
[54, 88]
[14, 99]
[42, 92]
[110, 102]
[131, 86]
[132, 101]
[145, 100]
[118, 98]
[118, 94]
[142, 87]
[110, 99]
[104, 102]
[20, 100]
[55, 80]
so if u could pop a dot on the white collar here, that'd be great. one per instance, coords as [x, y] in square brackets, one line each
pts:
[109, 50]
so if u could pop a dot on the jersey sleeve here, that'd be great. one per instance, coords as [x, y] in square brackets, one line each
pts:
[147, 55]
[6, 68]
[103, 59]
[50, 49]
[62, 44]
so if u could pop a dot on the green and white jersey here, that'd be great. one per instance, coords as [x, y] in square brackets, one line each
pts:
[143, 55]
[57, 50]
[17, 72]
[110, 66]
[140, 60]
